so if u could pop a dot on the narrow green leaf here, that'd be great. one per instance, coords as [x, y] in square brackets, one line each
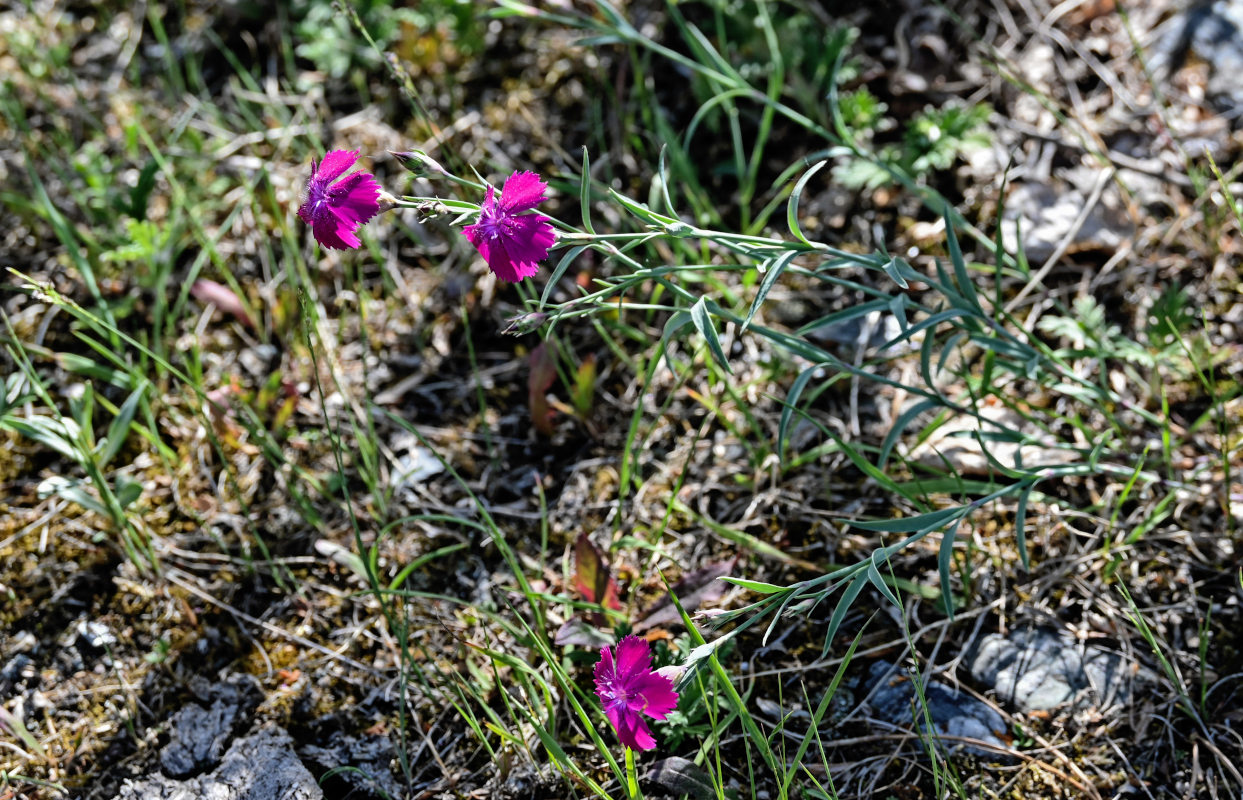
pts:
[901, 268]
[584, 194]
[674, 324]
[555, 276]
[783, 609]
[945, 555]
[699, 654]
[950, 485]
[918, 523]
[23, 734]
[82, 409]
[947, 349]
[928, 324]
[843, 606]
[965, 285]
[925, 360]
[895, 273]
[141, 193]
[796, 229]
[662, 173]
[48, 431]
[787, 411]
[1151, 520]
[366, 569]
[438, 553]
[897, 307]
[856, 458]
[119, 428]
[642, 211]
[1020, 527]
[84, 365]
[703, 324]
[724, 98]
[844, 315]
[899, 425]
[775, 267]
[128, 491]
[946, 287]
[73, 491]
[723, 679]
[755, 586]
[823, 707]
[588, 43]
[879, 582]
[986, 372]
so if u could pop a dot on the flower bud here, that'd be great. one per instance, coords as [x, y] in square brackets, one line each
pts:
[386, 201]
[525, 323]
[419, 164]
[673, 672]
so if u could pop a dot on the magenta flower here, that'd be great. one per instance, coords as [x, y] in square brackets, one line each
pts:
[335, 210]
[629, 688]
[512, 243]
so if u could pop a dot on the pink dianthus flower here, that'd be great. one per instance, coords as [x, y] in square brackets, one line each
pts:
[628, 688]
[336, 208]
[512, 243]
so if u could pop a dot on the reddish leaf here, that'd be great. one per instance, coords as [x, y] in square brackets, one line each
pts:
[693, 590]
[222, 297]
[580, 632]
[591, 574]
[543, 373]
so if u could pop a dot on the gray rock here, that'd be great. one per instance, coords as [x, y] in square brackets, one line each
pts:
[371, 758]
[199, 737]
[678, 777]
[261, 766]
[1035, 669]
[953, 713]
[1214, 33]
[200, 732]
[1039, 214]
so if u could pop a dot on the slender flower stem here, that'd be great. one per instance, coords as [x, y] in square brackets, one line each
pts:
[417, 202]
[632, 777]
[464, 182]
